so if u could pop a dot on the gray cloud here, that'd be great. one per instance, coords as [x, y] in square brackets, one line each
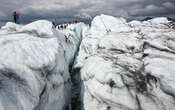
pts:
[63, 10]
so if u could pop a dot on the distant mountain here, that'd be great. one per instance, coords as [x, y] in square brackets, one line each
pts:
[146, 19]
[171, 19]
[84, 16]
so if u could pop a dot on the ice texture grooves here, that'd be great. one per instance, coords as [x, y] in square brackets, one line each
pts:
[127, 65]
[34, 65]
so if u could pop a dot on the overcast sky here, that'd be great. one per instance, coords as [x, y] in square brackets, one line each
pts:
[63, 10]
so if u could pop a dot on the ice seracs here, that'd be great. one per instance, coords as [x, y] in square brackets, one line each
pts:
[34, 66]
[120, 65]
[129, 68]
[42, 28]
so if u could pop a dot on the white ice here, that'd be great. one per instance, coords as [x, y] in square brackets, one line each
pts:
[130, 67]
[34, 65]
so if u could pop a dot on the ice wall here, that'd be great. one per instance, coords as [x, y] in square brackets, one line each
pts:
[127, 66]
[34, 65]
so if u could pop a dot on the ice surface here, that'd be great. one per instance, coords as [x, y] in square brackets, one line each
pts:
[130, 67]
[123, 66]
[10, 28]
[42, 28]
[34, 65]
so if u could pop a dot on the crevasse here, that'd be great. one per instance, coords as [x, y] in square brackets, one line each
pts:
[113, 65]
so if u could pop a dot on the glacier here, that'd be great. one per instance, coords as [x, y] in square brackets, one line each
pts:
[35, 61]
[127, 65]
[111, 65]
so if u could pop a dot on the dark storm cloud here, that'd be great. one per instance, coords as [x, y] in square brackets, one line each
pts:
[64, 10]
[160, 9]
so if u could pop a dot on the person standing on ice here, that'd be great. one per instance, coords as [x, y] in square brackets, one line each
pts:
[16, 17]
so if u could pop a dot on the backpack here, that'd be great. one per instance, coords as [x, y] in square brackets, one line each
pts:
[17, 15]
[18, 21]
